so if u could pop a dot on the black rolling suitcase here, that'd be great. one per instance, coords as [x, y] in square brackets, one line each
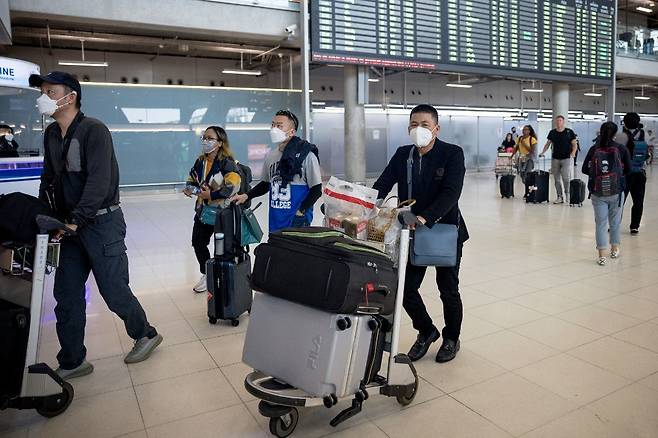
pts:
[536, 187]
[14, 331]
[227, 273]
[507, 186]
[577, 189]
[325, 269]
[229, 294]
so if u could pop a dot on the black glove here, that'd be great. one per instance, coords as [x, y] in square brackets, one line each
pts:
[408, 218]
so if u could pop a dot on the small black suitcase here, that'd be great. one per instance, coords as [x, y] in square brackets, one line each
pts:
[325, 269]
[537, 187]
[577, 189]
[229, 293]
[14, 331]
[507, 186]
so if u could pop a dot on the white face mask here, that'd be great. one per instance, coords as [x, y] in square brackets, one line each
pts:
[9, 137]
[209, 146]
[48, 106]
[277, 135]
[421, 136]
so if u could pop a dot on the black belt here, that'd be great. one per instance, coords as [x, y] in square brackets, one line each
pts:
[106, 210]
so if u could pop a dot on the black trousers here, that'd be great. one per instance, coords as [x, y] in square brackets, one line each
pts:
[636, 184]
[201, 234]
[99, 248]
[447, 280]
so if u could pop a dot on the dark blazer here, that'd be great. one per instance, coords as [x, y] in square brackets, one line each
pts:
[438, 179]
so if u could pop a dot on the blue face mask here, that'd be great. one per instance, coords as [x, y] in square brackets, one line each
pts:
[9, 137]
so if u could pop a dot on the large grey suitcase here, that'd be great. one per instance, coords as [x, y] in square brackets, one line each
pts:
[318, 352]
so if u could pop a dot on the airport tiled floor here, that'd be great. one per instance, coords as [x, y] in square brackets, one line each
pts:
[552, 346]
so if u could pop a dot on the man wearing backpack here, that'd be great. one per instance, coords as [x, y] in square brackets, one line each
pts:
[565, 147]
[291, 175]
[633, 138]
[607, 163]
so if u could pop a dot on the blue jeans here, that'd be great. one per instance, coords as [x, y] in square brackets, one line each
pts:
[607, 215]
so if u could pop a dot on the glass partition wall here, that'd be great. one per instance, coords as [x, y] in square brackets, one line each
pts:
[478, 135]
[157, 129]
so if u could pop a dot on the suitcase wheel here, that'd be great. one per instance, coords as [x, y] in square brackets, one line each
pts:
[212, 320]
[54, 405]
[285, 425]
[406, 399]
[235, 323]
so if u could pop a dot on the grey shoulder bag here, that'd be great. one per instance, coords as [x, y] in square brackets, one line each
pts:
[436, 246]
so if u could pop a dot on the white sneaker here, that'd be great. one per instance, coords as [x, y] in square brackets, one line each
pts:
[560, 200]
[201, 286]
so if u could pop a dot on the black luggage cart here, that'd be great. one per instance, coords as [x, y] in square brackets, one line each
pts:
[26, 384]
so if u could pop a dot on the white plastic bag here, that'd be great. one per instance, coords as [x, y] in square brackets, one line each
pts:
[348, 206]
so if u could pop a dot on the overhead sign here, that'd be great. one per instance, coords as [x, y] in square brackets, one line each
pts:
[537, 39]
[15, 73]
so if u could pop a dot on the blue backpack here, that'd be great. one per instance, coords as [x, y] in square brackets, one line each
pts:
[640, 152]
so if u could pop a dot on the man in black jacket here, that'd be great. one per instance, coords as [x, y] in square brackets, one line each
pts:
[437, 180]
[80, 180]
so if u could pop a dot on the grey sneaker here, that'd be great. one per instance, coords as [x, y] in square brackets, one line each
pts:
[81, 370]
[143, 349]
[559, 200]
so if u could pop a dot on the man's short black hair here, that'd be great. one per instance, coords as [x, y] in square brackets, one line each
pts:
[632, 121]
[7, 127]
[427, 109]
[560, 117]
[293, 118]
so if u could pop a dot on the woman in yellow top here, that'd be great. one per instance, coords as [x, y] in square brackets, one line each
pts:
[213, 179]
[525, 146]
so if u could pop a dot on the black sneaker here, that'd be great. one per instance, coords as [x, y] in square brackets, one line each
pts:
[448, 351]
[634, 231]
[422, 344]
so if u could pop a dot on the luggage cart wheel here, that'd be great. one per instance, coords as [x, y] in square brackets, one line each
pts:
[285, 425]
[55, 405]
[406, 399]
[212, 320]
[235, 322]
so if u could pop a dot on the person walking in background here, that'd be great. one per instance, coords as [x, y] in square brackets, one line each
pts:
[213, 179]
[651, 143]
[80, 180]
[291, 175]
[508, 143]
[633, 137]
[526, 148]
[607, 163]
[563, 141]
[8, 146]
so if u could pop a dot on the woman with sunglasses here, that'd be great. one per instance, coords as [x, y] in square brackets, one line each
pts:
[213, 179]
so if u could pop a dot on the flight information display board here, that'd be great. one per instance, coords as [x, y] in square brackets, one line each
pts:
[549, 39]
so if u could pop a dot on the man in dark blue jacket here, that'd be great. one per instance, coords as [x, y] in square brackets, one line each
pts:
[437, 180]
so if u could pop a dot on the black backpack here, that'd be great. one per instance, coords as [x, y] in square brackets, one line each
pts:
[18, 213]
[246, 178]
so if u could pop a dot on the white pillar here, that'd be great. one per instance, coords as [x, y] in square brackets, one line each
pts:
[355, 128]
[560, 101]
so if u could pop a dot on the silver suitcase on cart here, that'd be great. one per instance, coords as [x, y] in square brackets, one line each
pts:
[318, 352]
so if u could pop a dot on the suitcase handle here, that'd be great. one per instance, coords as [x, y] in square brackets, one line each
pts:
[371, 288]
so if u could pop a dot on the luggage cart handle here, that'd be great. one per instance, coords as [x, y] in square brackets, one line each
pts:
[48, 223]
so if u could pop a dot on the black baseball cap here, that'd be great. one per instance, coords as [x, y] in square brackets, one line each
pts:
[57, 77]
